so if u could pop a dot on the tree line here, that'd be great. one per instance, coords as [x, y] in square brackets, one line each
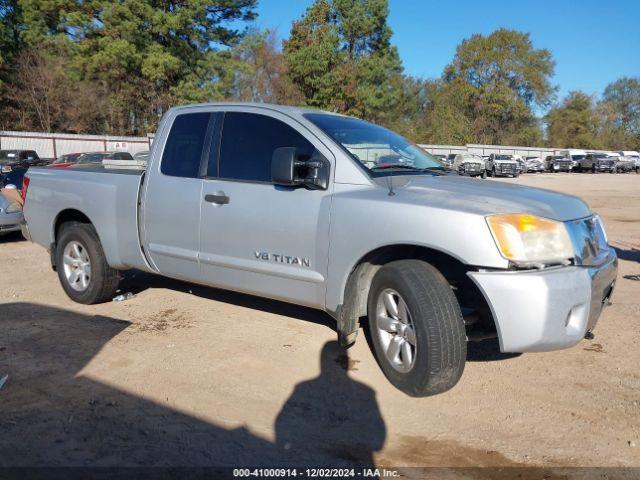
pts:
[114, 67]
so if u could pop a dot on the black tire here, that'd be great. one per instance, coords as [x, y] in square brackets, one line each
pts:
[440, 338]
[103, 281]
[593, 169]
[484, 174]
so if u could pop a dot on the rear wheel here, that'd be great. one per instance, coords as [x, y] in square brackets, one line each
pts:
[416, 328]
[83, 271]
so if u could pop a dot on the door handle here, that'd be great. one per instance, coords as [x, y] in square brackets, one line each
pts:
[219, 198]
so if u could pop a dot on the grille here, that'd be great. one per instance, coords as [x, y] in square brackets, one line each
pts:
[589, 240]
[471, 167]
[507, 168]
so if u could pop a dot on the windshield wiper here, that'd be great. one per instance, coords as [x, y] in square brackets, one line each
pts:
[395, 165]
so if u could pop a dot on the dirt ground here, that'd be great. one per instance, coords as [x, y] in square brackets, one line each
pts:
[187, 375]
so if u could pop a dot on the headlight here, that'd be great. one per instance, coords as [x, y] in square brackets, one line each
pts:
[14, 208]
[525, 238]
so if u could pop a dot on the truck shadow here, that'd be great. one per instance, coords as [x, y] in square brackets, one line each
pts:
[629, 254]
[53, 415]
[11, 237]
[136, 281]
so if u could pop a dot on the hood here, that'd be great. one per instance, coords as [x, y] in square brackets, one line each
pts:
[486, 197]
[505, 161]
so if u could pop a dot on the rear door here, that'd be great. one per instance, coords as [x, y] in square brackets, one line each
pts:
[173, 196]
[257, 237]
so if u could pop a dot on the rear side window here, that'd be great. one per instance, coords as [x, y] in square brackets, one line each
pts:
[183, 150]
[248, 142]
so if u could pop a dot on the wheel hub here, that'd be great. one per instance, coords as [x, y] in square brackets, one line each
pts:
[396, 330]
[77, 266]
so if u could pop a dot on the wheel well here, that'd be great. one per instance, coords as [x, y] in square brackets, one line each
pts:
[70, 215]
[472, 301]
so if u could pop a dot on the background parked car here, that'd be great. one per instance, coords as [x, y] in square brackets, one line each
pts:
[96, 158]
[10, 208]
[469, 164]
[597, 162]
[635, 156]
[533, 164]
[448, 161]
[574, 155]
[14, 177]
[144, 156]
[501, 165]
[624, 164]
[10, 159]
[65, 160]
[558, 163]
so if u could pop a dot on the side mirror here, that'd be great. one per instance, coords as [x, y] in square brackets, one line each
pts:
[283, 167]
[288, 170]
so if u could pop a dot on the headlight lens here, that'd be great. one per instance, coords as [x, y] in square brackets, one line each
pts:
[14, 208]
[525, 238]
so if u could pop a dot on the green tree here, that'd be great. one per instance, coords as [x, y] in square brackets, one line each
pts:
[260, 72]
[501, 78]
[621, 112]
[340, 57]
[146, 55]
[574, 123]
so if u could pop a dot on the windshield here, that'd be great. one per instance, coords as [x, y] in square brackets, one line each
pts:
[376, 148]
[91, 157]
[578, 157]
[8, 154]
[69, 158]
[503, 157]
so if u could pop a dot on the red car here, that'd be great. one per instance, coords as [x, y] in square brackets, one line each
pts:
[65, 160]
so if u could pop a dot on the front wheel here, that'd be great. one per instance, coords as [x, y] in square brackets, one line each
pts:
[484, 174]
[416, 328]
[82, 268]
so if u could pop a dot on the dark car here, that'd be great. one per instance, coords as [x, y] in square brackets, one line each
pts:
[10, 159]
[14, 177]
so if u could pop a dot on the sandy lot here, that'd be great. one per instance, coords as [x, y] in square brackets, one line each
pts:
[187, 375]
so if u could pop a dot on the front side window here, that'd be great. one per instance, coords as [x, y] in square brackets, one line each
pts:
[183, 151]
[248, 143]
[376, 148]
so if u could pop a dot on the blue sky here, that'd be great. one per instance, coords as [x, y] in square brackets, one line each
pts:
[593, 42]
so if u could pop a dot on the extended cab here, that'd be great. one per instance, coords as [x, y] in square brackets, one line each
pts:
[337, 214]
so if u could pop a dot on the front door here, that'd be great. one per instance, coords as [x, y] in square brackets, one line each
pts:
[256, 237]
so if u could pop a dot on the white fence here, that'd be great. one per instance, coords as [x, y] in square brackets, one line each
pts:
[53, 145]
[489, 149]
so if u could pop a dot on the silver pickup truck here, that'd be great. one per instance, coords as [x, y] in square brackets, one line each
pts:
[337, 214]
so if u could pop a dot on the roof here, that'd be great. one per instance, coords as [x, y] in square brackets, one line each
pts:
[286, 109]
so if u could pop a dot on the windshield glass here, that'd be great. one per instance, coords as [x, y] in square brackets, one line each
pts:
[376, 148]
[503, 157]
[69, 158]
[91, 157]
[8, 154]
[577, 157]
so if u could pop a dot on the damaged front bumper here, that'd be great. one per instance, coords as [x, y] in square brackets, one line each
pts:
[549, 309]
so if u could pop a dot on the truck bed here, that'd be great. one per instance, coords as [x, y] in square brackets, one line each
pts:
[107, 197]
